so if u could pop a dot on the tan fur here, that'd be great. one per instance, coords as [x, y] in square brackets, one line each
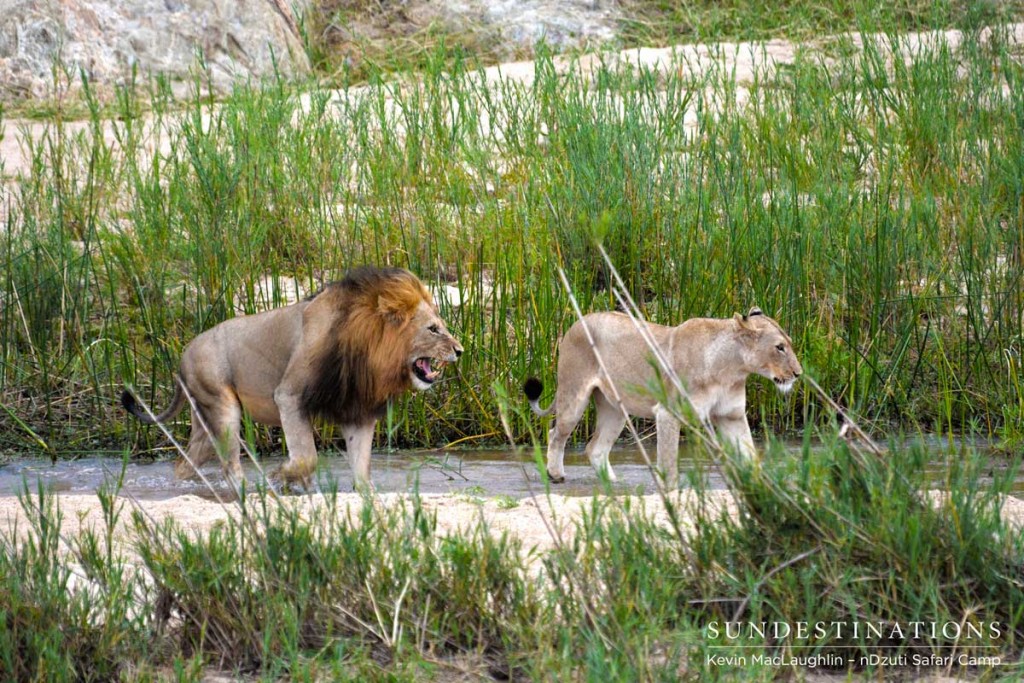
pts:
[341, 355]
[713, 358]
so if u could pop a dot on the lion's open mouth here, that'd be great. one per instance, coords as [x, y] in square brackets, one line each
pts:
[427, 370]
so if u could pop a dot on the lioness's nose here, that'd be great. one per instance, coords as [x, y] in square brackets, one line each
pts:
[458, 350]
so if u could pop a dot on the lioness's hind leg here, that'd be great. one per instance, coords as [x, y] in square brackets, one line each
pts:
[569, 409]
[610, 421]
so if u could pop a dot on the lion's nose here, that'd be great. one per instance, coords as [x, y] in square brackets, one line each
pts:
[458, 351]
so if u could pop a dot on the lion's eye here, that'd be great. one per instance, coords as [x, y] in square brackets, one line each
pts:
[780, 347]
[435, 329]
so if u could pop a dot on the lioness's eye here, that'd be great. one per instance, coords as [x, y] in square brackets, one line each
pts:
[780, 347]
[435, 329]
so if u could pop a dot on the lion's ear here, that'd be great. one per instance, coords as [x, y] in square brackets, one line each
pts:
[754, 311]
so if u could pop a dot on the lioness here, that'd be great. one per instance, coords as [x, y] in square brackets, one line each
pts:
[340, 354]
[713, 358]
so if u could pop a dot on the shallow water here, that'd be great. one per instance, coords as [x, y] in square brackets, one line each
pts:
[482, 473]
[477, 472]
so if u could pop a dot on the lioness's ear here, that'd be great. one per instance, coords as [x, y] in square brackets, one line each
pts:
[754, 311]
[743, 324]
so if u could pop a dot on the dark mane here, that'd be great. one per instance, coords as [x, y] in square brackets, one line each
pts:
[362, 362]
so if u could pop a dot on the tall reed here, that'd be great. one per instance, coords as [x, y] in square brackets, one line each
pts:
[882, 230]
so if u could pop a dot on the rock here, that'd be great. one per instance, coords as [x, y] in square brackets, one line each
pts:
[270, 291]
[238, 39]
[563, 24]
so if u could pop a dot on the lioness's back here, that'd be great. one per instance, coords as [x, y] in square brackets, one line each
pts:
[625, 354]
[611, 329]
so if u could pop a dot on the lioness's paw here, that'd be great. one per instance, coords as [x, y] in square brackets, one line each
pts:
[183, 470]
[556, 478]
[234, 474]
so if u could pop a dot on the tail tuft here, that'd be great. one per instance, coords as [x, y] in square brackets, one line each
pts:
[129, 402]
[532, 387]
[139, 410]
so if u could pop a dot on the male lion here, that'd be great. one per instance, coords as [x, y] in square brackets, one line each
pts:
[341, 354]
[712, 357]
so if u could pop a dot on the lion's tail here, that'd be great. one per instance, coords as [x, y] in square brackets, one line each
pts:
[132, 405]
[533, 387]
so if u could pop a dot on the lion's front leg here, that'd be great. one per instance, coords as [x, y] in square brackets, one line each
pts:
[298, 435]
[359, 444]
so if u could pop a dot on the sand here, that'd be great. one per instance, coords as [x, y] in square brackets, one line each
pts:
[540, 523]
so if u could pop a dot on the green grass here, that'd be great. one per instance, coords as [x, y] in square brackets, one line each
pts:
[62, 621]
[883, 231]
[373, 592]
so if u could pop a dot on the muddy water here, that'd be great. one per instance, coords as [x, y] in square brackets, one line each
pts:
[471, 472]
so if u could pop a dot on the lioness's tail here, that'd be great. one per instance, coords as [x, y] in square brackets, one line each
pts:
[533, 387]
[133, 407]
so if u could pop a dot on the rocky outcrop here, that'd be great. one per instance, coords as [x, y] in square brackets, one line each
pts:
[107, 39]
[563, 24]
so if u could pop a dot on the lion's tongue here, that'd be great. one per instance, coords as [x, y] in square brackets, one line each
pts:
[424, 365]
